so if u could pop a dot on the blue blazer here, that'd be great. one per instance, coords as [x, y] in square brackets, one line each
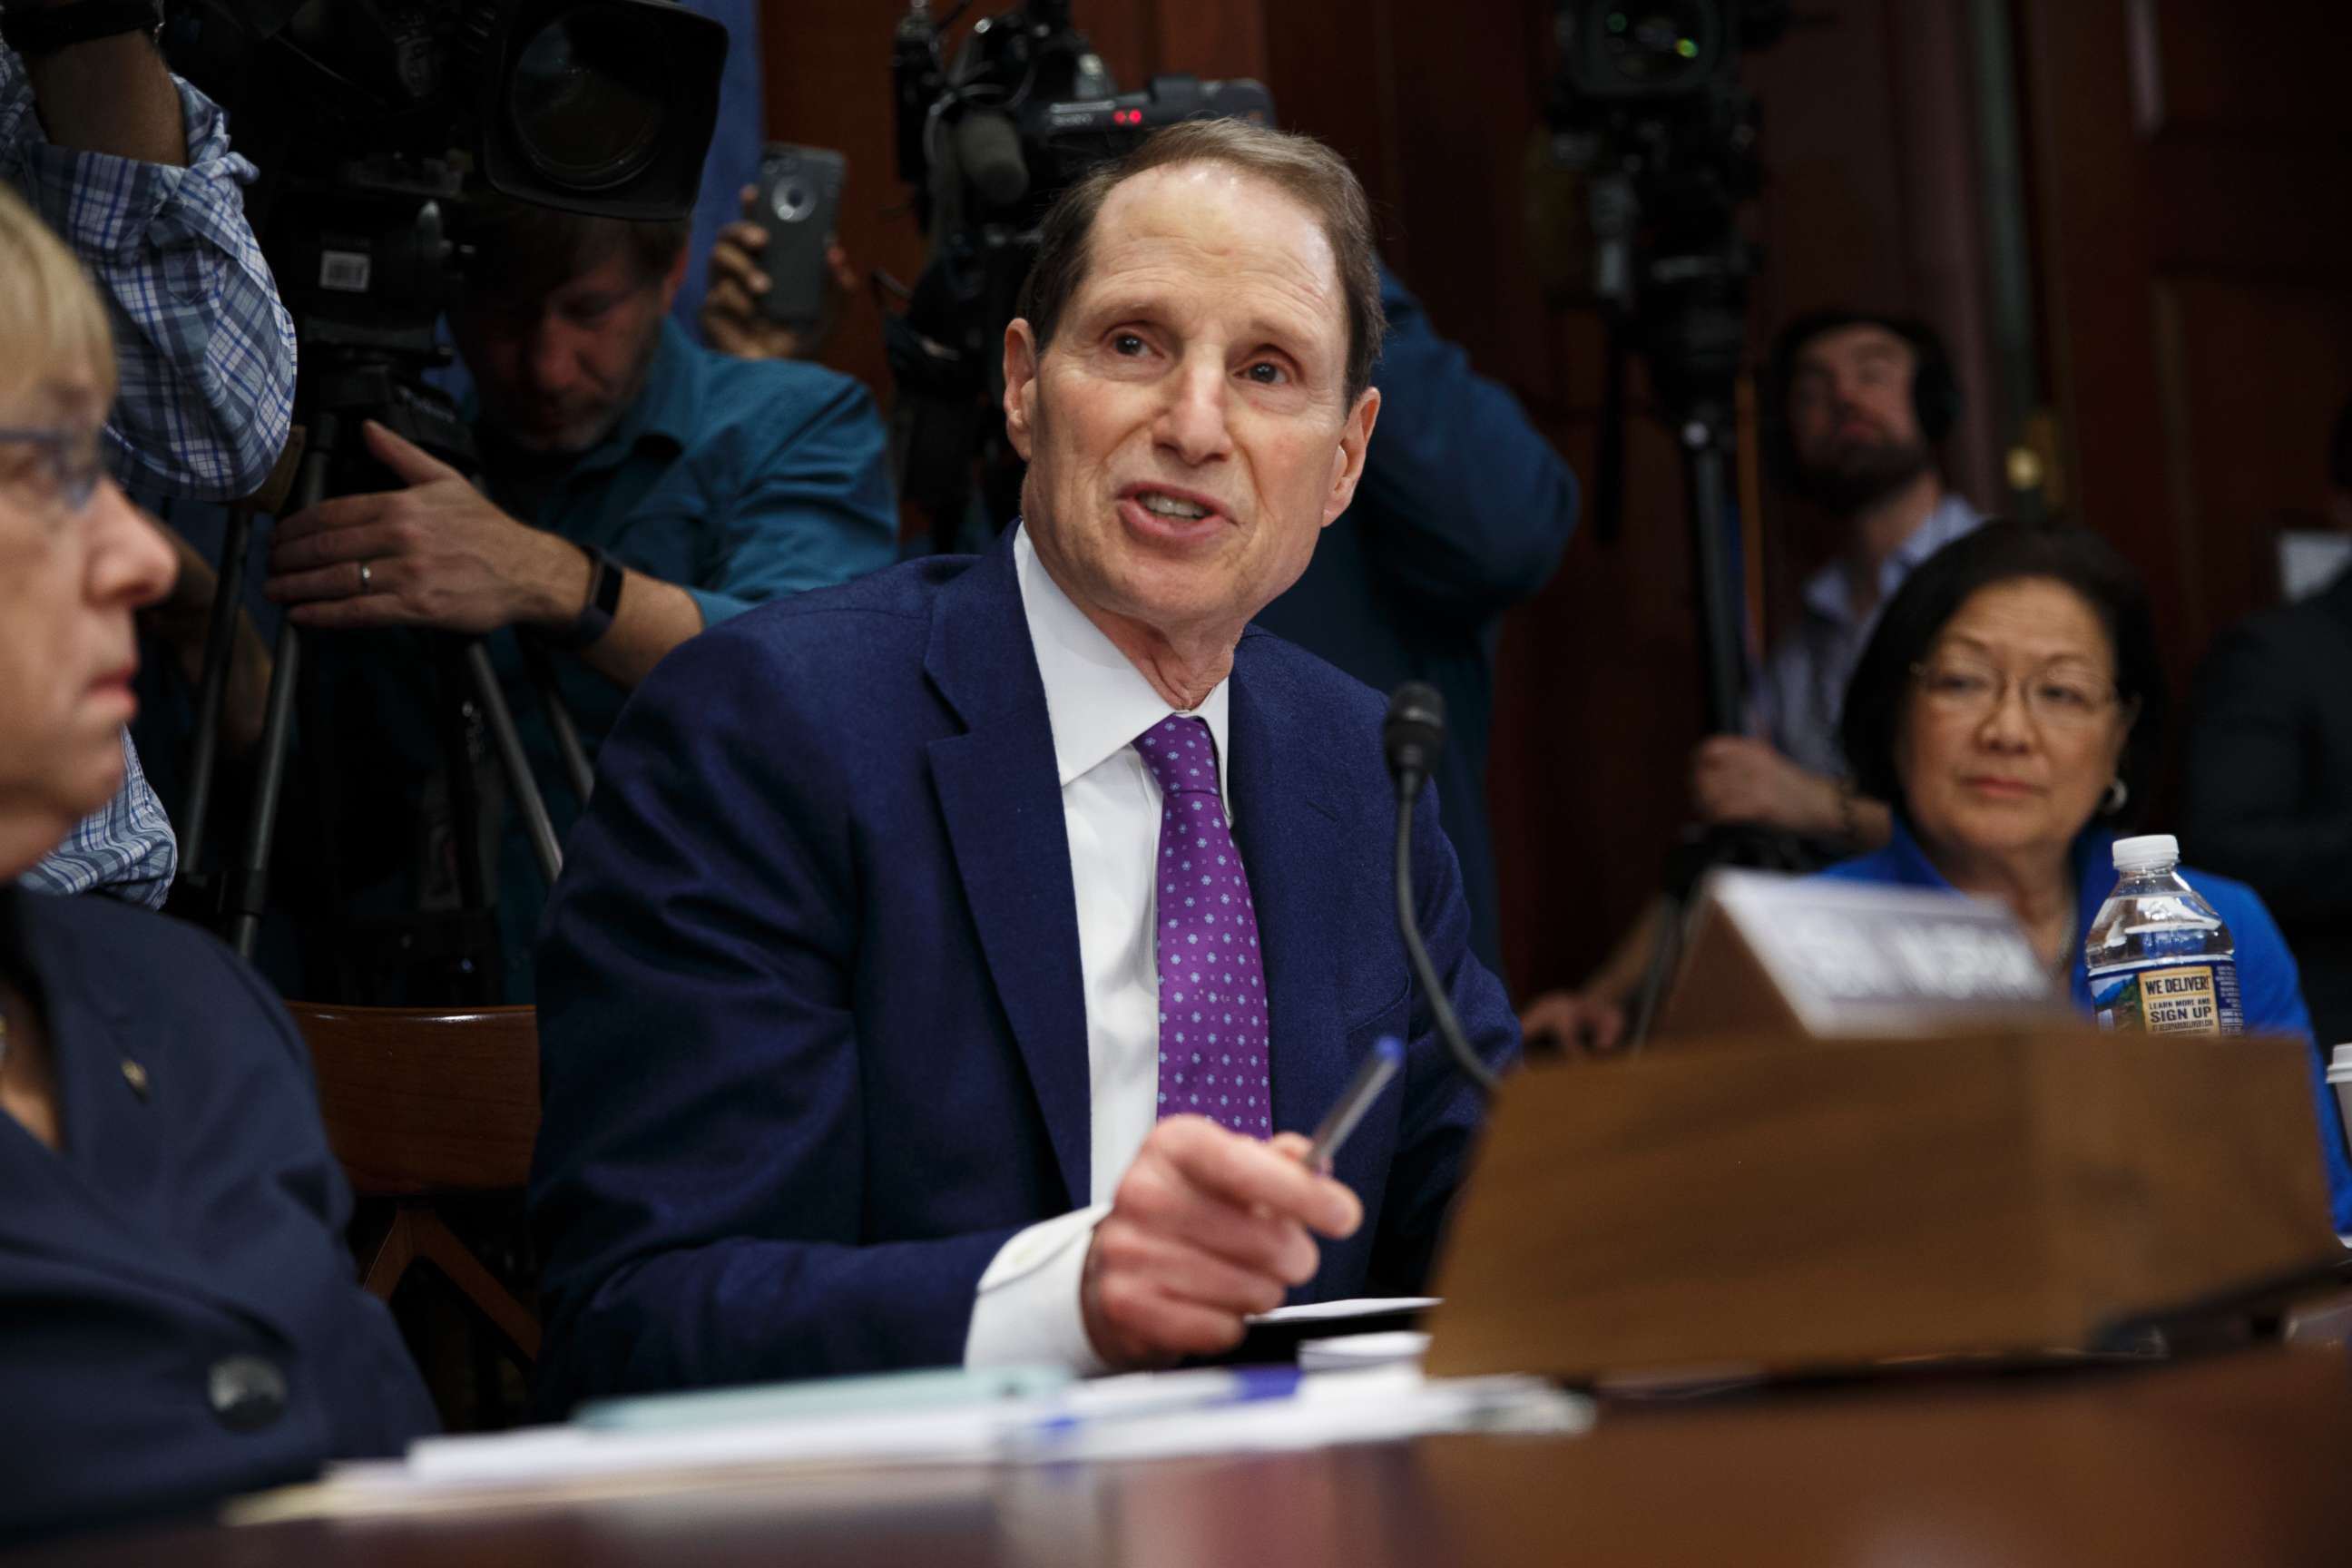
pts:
[2270, 991]
[179, 1319]
[811, 1019]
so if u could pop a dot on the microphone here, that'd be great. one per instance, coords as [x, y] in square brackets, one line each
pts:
[1412, 736]
[988, 150]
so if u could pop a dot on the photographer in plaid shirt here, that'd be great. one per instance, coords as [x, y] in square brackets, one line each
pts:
[132, 167]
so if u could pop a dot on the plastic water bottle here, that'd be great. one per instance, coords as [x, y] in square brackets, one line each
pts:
[2162, 961]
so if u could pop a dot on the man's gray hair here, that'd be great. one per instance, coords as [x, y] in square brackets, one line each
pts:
[1303, 168]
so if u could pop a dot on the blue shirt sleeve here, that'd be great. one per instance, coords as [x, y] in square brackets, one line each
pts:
[733, 161]
[2270, 994]
[817, 511]
[1472, 505]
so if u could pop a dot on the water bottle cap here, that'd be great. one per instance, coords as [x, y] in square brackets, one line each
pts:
[2148, 852]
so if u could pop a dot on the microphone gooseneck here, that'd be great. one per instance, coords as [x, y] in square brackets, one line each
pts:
[1412, 735]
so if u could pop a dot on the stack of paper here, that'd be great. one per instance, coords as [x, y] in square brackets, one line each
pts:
[1019, 1421]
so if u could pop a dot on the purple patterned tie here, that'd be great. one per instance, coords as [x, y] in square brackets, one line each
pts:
[1212, 1035]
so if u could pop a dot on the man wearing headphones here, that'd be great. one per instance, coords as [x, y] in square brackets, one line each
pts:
[1859, 405]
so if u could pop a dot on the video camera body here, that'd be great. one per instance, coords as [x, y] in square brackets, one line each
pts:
[1025, 110]
[371, 120]
[1649, 112]
[1658, 142]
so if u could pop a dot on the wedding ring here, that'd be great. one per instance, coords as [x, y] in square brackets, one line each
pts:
[367, 578]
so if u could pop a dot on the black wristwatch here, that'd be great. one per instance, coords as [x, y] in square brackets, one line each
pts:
[595, 616]
[33, 34]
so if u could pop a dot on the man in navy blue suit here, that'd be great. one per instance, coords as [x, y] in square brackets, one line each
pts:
[949, 962]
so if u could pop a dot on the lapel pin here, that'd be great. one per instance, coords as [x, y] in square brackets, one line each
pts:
[135, 1076]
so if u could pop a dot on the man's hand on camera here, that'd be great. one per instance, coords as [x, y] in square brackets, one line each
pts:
[1207, 1226]
[1735, 779]
[733, 321]
[435, 555]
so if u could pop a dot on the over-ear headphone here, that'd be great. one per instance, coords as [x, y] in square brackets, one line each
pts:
[1936, 397]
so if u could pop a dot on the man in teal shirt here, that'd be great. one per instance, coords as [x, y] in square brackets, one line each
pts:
[641, 489]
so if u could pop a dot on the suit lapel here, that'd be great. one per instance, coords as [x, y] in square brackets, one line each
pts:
[1288, 826]
[107, 1199]
[1000, 794]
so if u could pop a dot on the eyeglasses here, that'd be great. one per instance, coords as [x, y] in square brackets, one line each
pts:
[69, 468]
[2058, 697]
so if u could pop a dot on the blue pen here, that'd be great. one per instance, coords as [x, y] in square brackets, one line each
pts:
[1388, 1056]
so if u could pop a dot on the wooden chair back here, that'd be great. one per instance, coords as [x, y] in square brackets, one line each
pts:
[424, 1102]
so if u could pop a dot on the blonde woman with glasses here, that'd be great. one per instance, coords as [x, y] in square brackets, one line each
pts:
[178, 1316]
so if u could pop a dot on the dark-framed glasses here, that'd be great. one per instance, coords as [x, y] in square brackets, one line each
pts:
[2060, 695]
[68, 468]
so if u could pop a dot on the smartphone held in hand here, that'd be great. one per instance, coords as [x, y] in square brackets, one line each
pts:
[798, 202]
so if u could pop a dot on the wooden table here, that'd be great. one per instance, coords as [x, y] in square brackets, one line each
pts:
[2245, 1459]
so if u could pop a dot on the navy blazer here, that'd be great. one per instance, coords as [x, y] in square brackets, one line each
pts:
[811, 1019]
[179, 1319]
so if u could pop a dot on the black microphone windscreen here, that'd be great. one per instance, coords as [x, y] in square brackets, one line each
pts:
[1414, 732]
[988, 150]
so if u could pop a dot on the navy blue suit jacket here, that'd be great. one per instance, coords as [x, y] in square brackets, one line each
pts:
[811, 1017]
[183, 1248]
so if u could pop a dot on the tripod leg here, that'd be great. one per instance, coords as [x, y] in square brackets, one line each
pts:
[248, 888]
[528, 800]
[559, 719]
[1665, 956]
[219, 648]
[1710, 499]
[245, 889]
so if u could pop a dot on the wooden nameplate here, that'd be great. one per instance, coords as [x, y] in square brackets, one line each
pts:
[1786, 1204]
[1809, 957]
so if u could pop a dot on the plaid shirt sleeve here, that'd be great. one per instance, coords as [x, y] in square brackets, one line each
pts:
[204, 347]
[125, 850]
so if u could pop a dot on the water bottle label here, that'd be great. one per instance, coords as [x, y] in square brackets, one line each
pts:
[2171, 998]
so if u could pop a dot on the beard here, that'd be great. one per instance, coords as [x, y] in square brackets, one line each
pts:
[531, 424]
[1858, 475]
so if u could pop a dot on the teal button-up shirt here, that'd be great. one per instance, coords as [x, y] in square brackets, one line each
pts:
[738, 481]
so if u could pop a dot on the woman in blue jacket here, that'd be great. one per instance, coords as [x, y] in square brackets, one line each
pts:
[2008, 703]
[178, 1316]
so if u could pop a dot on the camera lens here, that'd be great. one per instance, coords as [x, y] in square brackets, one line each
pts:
[585, 95]
[793, 202]
[1660, 42]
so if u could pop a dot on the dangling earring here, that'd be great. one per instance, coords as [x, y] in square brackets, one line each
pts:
[2117, 794]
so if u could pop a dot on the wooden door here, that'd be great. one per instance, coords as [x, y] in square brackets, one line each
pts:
[2190, 162]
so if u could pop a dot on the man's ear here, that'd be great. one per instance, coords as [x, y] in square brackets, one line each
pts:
[674, 279]
[1021, 386]
[1347, 462]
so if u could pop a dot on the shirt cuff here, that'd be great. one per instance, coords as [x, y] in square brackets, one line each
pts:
[716, 606]
[1027, 1312]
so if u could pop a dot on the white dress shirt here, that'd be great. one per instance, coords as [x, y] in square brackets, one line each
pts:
[1028, 1310]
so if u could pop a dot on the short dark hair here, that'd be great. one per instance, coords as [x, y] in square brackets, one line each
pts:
[1880, 692]
[1934, 386]
[530, 250]
[1303, 168]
